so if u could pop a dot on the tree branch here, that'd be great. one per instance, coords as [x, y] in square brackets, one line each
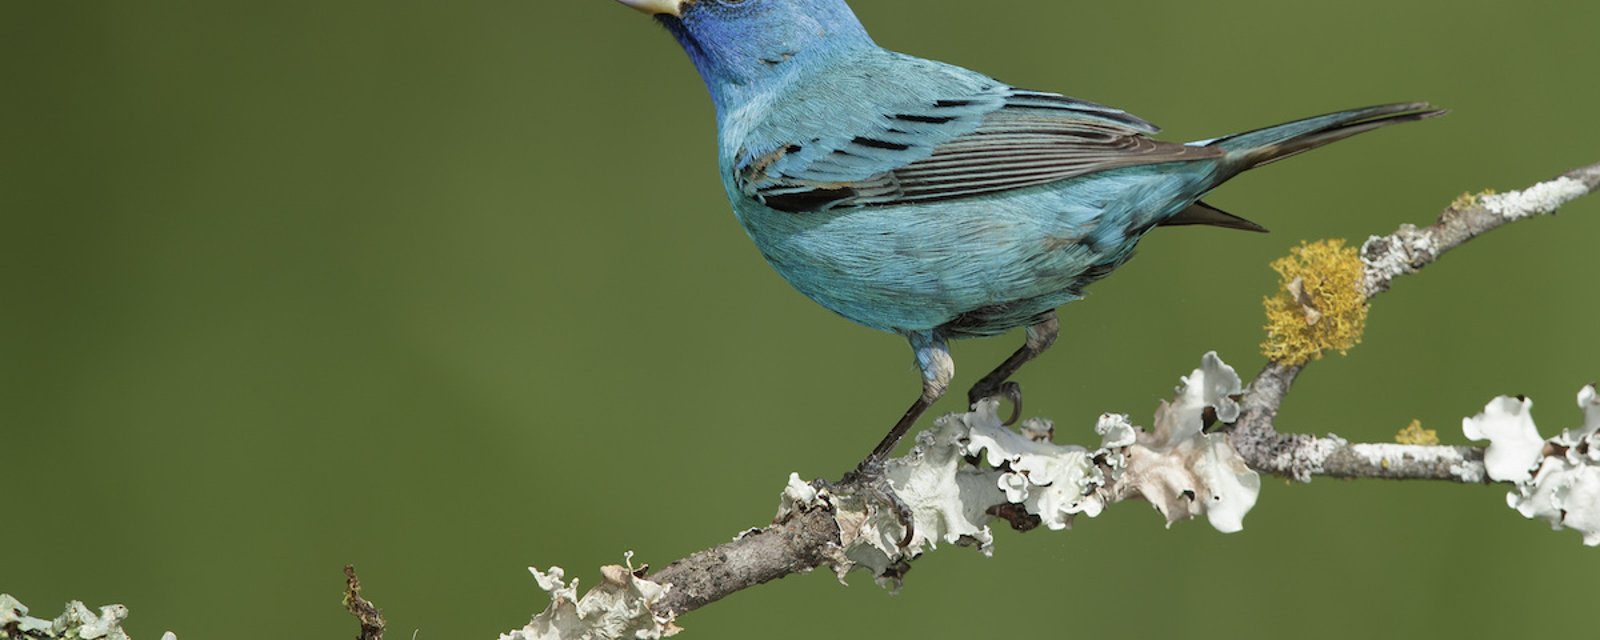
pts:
[1405, 251]
[370, 616]
[806, 540]
[816, 528]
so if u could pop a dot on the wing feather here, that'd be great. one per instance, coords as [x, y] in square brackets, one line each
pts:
[998, 140]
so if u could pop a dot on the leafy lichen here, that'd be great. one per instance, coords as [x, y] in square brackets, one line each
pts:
[971, 468]
[621, 606]
[78, 622]
[1557, 480]
[1321, 303]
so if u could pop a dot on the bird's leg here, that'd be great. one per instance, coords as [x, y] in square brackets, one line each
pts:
[1040, 336]
[933, 359]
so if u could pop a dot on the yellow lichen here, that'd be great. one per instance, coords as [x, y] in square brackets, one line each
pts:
[1468, 199]
[1321, 303]
[1415, 434]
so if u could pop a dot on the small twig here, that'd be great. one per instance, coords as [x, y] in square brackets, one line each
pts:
[1388, 257]
[1409, 248]
[371, 616]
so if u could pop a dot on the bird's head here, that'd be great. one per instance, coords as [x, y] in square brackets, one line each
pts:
[740, 43]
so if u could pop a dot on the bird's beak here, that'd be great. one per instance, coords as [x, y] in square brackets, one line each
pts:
[657, 7]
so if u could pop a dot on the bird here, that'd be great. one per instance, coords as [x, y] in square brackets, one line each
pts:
[934, 202]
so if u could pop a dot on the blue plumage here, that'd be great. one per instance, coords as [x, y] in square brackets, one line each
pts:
[931, 201]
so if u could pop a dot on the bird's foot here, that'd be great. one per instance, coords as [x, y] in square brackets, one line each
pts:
[869, 480]
[1008, 389]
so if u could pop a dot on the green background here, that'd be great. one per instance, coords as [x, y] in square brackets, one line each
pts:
[449, 289]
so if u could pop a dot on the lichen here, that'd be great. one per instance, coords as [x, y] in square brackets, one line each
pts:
[619, 607]
[1469, 198]
[76, 623]
[1320, 304]
[1186, 472]
[1538, 199]
[1589, 401]
[1556, 480]
[1388, 257]
[1415, 434]
[970, 467]
[1565, 492]
[947, 494]
[1054, 482]
[1515, 445]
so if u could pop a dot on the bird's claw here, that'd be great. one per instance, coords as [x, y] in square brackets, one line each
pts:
[1009, 390]
[869, 479]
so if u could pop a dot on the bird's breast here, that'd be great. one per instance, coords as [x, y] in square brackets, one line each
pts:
[978, 266]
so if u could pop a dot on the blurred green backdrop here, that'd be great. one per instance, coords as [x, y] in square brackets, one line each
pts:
[448, 289]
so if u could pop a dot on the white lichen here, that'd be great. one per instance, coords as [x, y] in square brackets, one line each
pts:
[14, 614]
[1054, 482]
[797, 495]
[620, 607]
[1396, 254]
[1116, 431]
[1564, 493]
[78, 622]
[1556, 480]
[950, 498]
[1514, 441]
[1538, 199]
[1186, 472]
[970, 467]
[946, 496]
[108, 624]
[1589, 401]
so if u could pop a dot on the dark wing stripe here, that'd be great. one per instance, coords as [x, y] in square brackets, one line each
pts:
[880, 144]
[911, 117]
[1024, 139]
[1029, 162]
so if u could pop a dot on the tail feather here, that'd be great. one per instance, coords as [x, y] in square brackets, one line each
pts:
[1251, 149]
[1205, 214]
[1255, 148]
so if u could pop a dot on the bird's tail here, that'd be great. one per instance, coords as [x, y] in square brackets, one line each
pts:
[1255, 148]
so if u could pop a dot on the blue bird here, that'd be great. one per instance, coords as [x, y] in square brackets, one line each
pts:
[934, 202]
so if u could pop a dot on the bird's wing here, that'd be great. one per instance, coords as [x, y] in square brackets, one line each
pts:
[998, 139]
